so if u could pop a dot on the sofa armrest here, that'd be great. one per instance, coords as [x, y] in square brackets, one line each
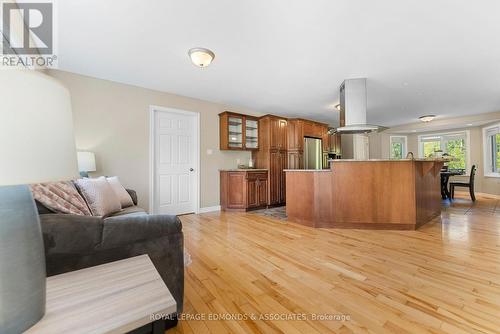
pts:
[70, 234]
[133, 195]
[123, 230]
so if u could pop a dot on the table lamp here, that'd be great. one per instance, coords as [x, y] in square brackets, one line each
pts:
[37, 145]
[86, 163]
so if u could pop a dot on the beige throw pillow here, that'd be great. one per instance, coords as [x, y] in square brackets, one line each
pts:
[99, 196]
[121, 193]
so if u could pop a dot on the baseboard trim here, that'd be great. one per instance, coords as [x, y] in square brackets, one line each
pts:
[466, 193]
[209, 209]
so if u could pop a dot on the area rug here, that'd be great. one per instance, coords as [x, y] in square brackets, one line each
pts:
[278, 212]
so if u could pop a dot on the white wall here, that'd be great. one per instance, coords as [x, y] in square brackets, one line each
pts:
[112, 120]
[380, 149]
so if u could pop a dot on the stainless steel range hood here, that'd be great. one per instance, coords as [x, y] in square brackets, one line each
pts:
[353, 108]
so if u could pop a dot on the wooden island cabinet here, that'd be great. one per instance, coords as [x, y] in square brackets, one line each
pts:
[366, 194]
[243, 189]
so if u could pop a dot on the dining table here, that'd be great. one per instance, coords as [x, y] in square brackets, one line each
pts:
[445, 177]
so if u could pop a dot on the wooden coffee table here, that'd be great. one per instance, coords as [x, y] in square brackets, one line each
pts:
[116, 297]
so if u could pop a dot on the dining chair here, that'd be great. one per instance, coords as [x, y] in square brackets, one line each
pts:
[469, 185]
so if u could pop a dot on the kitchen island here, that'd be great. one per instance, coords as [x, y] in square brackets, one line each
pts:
[365, 194]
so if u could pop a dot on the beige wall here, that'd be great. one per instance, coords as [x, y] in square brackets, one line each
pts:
[112, 120]
[490, 185]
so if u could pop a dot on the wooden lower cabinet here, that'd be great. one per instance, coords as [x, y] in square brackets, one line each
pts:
[277, 163]
[243, 190]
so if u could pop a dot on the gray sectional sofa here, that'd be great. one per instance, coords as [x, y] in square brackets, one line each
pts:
[75, 242]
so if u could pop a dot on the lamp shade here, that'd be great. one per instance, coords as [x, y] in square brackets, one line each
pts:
[37, 142]
[86, 162]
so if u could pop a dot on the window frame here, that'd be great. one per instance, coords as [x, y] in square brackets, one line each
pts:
[487, 155]
[468, 164]
[405, 146]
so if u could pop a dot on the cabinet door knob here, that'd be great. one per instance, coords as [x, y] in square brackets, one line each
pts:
[191, 169]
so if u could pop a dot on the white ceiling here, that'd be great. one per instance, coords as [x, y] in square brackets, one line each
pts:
[289, 57]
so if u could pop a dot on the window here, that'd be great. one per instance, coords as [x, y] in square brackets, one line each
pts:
[491, 137]
[454, 144]
[398, 147]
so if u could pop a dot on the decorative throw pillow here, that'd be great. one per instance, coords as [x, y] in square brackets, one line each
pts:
[121, 193]
[60, 197]
[99, 196]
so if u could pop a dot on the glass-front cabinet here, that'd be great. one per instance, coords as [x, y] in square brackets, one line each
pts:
[235, 132]
[251, 133]
[238, 131]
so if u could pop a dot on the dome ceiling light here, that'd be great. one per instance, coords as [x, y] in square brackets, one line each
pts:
[201, 57]
[427, 118]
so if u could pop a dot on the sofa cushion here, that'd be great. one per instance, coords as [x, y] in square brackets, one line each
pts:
[121, 193]
[99, 196]
[131, 210]
[127, 229]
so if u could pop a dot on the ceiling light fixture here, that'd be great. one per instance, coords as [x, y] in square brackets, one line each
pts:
[427, 118]
[201, 57]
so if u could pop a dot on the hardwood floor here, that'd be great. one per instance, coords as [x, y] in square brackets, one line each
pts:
[442, 278]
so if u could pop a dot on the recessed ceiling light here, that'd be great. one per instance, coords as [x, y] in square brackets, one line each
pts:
[405, 84]
[469, 124]
[201, 57]
[337, 106]
[413, 130]
[427, 118]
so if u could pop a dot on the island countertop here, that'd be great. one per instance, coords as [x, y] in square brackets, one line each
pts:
[366, 194]
[385, 160]
[307, 170]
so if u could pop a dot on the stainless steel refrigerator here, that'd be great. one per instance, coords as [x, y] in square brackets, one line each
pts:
[312, 153]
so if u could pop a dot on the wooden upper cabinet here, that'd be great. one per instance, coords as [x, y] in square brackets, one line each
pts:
[325, 138]
[238, 131]
[300, 128]
[308, 129]
[278, 133]
[295, 135]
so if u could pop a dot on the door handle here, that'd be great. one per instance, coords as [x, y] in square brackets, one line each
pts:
[191, 169]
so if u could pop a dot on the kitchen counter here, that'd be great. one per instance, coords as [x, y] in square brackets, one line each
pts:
[243, 170]
[366, 194]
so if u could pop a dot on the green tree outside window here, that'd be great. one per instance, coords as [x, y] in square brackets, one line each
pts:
[397, 151]
[498, 152]
[430, 147]
[456, 148]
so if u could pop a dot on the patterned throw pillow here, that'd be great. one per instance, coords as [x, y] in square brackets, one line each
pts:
[121, 193]
[99, 196]
[60, 197]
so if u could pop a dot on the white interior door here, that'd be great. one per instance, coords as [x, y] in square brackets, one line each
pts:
[175, 174]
